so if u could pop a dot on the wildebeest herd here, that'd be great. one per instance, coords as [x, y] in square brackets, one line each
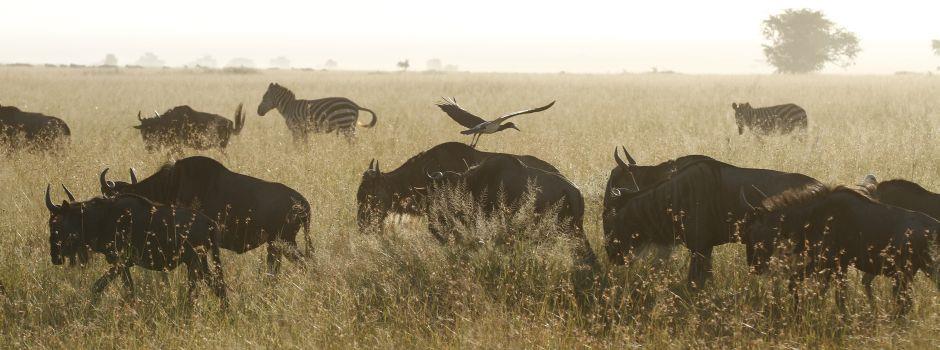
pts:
[187, 211]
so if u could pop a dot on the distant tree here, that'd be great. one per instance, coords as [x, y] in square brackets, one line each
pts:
[451, 68]
[204, 62]
[330, 64]
[936, 47]
[240, 62]
[110, 60]
[804, 41]
[150, 60]
[403, 65]
[435, 64]
[280, 63]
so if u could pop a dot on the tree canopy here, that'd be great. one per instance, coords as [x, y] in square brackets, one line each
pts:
[804, 41]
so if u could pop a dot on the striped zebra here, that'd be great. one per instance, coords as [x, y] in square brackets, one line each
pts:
[323, 115]
[782, 119]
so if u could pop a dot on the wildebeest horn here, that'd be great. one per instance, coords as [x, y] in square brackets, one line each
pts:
[620, 162]
[629, 158]
[759, 191]
[615, 192]
[138, 117]
[105, 184]
[68, 193]
[377, 171]
[155, 114]
[133, 176]
[372, 164]
[49, 205]
[436, 175]
[745, 201]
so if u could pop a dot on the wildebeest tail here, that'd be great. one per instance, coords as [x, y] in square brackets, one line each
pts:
[374, 118]
[239, 120]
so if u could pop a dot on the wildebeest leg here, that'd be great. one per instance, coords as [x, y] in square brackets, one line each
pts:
[274, 258]
[841, 290]
[103, 283]
[867, 280]
[215, 280]
[902, 292]
[128, 282]
[700, 266]
[661, 255]
[194, 274]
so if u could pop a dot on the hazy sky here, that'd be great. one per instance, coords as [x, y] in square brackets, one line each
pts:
[482, 35]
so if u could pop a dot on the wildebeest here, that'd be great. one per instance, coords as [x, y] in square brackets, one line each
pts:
[781, 119]
[31, 131]
[183, 126]
[394, 192]
[904, 194]
[628, 179]
[503, 182]
[130, 230]
[252, 211]
[837, 227]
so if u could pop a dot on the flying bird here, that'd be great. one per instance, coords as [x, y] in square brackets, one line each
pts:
[477, 126]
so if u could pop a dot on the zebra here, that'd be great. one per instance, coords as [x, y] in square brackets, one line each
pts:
[323, 115]
[782, 119]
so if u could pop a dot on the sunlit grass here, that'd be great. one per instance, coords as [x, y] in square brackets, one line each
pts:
[403, 289]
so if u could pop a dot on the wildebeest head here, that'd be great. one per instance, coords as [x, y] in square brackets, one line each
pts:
[112, 188]
[740, 111]
[760, 230]
[65, 227]
[271, 96]
[374, 198]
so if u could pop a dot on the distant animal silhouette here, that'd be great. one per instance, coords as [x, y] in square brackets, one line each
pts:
[780, 119]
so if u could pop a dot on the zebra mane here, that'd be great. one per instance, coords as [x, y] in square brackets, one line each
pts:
[280, 89]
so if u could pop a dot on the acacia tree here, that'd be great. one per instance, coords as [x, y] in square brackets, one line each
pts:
[804, 41]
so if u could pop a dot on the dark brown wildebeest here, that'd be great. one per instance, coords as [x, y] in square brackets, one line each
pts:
[904, 194]
[781, 119]
[130, 230]
[394, 192]
[503, 182]
[628, 178]
[837, 227]
[183, 126]
[31, 131]
[252, 211]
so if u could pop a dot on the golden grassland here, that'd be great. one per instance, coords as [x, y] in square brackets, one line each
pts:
[402, 289]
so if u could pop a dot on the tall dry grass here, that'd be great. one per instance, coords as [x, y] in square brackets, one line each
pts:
[403, 289]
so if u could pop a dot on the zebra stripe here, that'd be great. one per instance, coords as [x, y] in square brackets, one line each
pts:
[323, 115]
[781, 118]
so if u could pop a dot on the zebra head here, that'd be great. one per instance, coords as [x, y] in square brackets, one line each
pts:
[741, 111]
[272, 96]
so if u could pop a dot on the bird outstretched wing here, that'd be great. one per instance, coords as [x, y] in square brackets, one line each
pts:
[459, 115]
[533, 110]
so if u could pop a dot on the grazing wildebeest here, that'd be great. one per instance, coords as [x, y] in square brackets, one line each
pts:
[394, 192]
[781, 119]
[31, 131]
[837, 227]
[323, 115]
[503, 182]
[904, 194]
[628, 178]
[130, 230]
[182, 126]
[252, 211]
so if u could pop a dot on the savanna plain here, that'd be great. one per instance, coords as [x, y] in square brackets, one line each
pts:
[402, 289]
